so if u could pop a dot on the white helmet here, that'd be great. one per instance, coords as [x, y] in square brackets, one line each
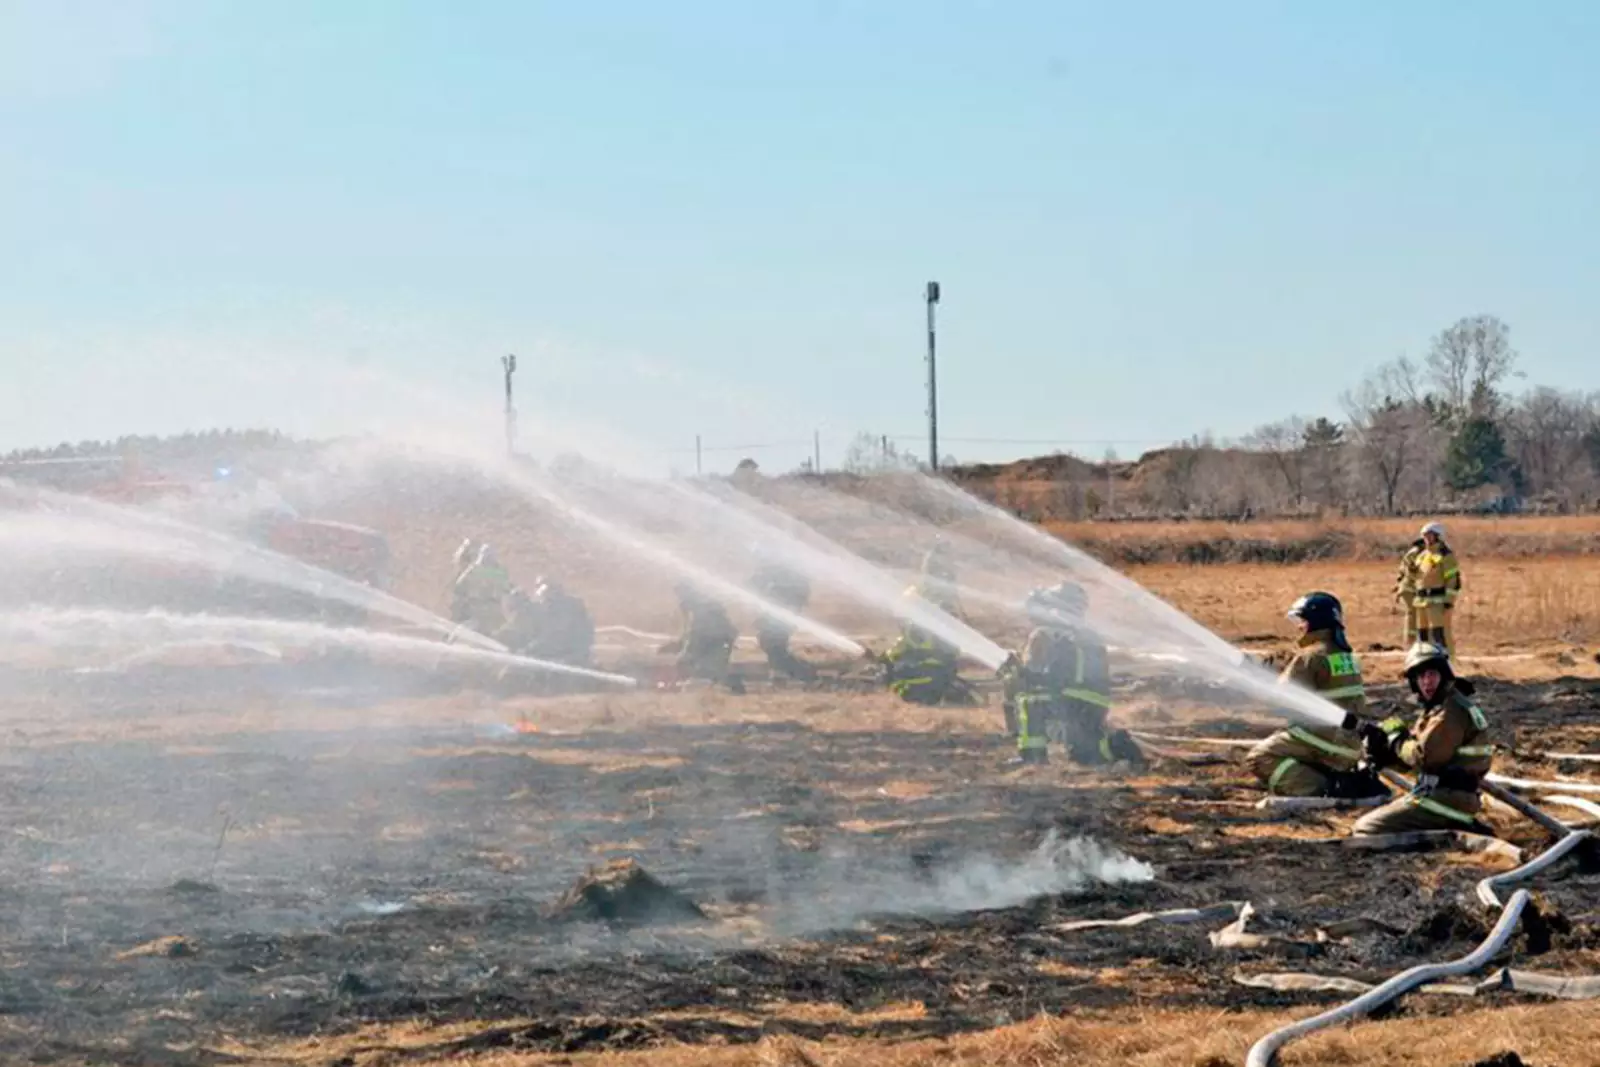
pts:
[1435, 528]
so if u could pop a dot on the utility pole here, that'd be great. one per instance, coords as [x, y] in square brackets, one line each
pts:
[510, 365]
[699, 466]
[933, 382]
[816, 451]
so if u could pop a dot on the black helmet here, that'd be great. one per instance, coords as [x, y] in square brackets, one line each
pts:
[1425, 655]
[1319, 611]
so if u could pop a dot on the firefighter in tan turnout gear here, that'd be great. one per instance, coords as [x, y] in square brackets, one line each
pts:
[921, 667]
[705, 647]
[1319, 761]
[1438, 585]
[1405, 591]
[1059, 689]
[480, 592]
[1448, 748]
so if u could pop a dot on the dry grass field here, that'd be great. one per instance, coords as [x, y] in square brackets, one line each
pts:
[1559, 1035]
[196, 854]
[1506, 605]
[1306, 541]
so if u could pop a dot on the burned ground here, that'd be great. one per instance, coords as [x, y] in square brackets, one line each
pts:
[200, 878]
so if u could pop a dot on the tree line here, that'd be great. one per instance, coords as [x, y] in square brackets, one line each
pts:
[1442, 432]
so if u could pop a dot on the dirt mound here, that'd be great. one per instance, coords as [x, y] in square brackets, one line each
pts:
[623, 892]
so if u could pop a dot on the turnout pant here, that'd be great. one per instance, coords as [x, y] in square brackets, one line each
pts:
[1076, 725]
[773, 637]
[705, 658]
[1433, 624]
[1301, 761]
[1442, 809]
[1408, 609]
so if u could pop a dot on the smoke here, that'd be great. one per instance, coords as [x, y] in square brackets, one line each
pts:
[850, 888]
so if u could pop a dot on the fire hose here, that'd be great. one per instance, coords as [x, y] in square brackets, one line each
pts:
[1264, 1053]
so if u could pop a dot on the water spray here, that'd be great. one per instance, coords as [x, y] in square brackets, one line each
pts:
[809, 552]
[1197, 647]
[94, 628]
[537, 488]
[104, 527]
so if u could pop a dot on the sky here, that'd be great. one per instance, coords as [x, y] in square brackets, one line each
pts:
[716, 218]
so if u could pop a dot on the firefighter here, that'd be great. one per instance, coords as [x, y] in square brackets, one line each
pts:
[1306, 761]
[1447, 747]
[551, 624]
[1059, 689]
[566, 632]
[1405, 591]
[787, 589]
[921, 666]
[706, 645]
[482, 590]
[466, 553]
[1438, 586]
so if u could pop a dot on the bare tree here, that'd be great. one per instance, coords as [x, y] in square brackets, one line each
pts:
[1546, 440]
[1285, 443]
[1325, 450]
[869, 453]
[1469, 361]
[1388, 426]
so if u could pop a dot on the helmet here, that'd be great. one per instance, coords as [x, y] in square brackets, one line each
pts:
[466, 552]
[1319, 611]
[1424, 655]
[1064, 602]
[1435, 528]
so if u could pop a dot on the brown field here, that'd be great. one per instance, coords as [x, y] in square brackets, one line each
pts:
[1506, 605]
[1305, 541]
[194, 855]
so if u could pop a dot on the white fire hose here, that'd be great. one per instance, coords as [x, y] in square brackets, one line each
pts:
[1264, 1053]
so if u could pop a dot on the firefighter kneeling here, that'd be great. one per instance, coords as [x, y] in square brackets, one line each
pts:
[1307, 761]
[1448, 748]
[921, 668]
[1060, 688]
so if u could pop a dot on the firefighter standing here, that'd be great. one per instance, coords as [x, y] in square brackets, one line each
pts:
[1405, 591]
[789, 590]
[1306, 761]
[706, 645]
[1059, 689]
[1438, 586]
[922, 666]
[1448, 747]
[481, 592]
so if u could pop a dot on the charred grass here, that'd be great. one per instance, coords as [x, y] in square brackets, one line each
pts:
[804, 824]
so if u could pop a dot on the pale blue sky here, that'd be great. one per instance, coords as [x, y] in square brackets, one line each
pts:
[1150, 219]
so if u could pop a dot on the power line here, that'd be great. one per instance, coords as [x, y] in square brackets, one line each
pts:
[1035, 440]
